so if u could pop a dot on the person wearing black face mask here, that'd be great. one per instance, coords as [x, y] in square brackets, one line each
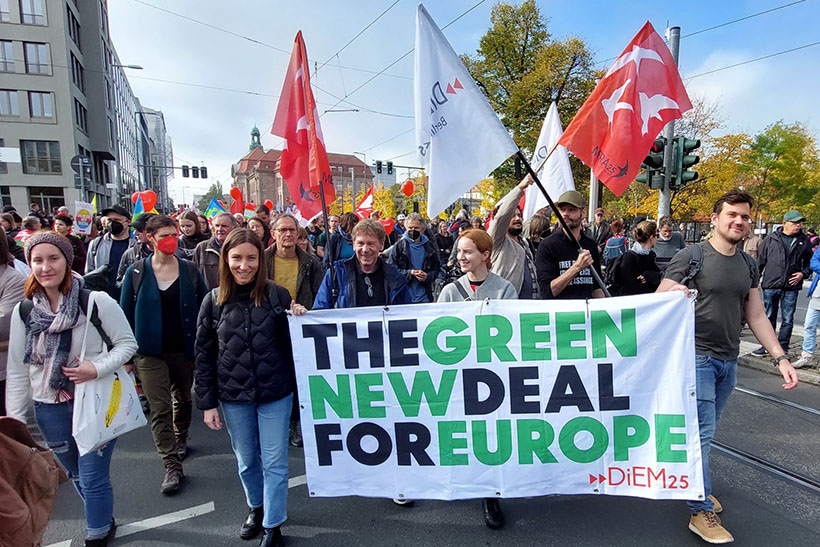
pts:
[108, 249]
[416, 258]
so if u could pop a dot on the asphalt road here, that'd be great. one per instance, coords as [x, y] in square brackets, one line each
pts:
[760, 509]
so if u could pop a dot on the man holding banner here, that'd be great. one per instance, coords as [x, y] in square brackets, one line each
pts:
[727, 292]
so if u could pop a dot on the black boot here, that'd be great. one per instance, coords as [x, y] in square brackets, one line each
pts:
[253, 524]
[272, 537]
[103, 542]
[493, 517]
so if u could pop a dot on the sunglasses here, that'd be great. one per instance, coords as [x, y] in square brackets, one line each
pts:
[369, 286]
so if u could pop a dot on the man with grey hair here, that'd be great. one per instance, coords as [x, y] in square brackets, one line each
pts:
[206, 254]
[416, 258]
[668, 244]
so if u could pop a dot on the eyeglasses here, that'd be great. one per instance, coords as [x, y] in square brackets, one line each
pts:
[286, 229]
[369, 286]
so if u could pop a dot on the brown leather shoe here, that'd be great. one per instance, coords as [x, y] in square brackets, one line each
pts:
[173, 478]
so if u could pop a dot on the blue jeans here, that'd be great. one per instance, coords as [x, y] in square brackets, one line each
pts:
[259, 438]
[810, 330]
[715, 381]
[787, 301]
[88, 473]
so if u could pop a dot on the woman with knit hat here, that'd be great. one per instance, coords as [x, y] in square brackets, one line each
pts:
[44, 366]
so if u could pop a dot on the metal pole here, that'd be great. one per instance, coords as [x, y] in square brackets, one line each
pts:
[561, 220]
[665, 193]
[594, 183]
[353, 188]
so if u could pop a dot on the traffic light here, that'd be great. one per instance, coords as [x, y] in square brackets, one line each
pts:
[389, 167]
[378, 166]
[195, 172]
[203, 172]
[185, 171]
[684, 159]
[653, 166]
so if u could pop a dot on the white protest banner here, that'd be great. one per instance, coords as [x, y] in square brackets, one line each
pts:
[502, 398]
[459, 137]
[83, 217]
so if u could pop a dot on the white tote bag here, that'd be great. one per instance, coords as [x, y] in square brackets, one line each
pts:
[104, 408]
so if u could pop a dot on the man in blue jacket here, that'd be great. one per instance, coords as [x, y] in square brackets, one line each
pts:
[416, 258]
[161, 296]
[364, 279]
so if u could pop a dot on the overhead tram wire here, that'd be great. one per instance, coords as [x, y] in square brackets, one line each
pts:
[739, 19]
[752, 60]
[249, 39]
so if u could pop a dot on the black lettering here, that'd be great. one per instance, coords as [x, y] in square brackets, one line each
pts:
[417, 447]
[519, 390]
[320, 334]
[324, 445]
[368, 429]
[372, 344]
[399, 343]
[471, 378]
[568, 378]
[606, 398]
[437, 94]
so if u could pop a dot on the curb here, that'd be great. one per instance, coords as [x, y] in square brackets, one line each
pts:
[807, 376]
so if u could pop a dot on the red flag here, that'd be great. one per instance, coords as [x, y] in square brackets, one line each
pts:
[616, 126]
[304, 164]
[365, 207]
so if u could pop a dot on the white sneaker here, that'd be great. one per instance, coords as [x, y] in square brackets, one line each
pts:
[806, 360]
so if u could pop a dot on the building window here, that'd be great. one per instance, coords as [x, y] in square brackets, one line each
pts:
[77, 73]
[73, 26]
[8, 103]
[41, 104]
[3, 167]
[33, 12]
[107, 94]
[5, 14]
[80, 116]
[41, 157]
[111, 134]
[46, 197]
[38, 60]
[6, 56]
[5, 194]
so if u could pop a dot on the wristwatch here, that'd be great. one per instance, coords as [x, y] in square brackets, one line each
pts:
[781, 358]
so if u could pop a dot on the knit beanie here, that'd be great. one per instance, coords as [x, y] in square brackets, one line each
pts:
[49, 237]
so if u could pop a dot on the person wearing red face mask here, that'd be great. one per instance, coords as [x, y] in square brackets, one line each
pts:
[161, 295]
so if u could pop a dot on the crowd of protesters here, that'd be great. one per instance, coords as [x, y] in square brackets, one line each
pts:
[201, 304]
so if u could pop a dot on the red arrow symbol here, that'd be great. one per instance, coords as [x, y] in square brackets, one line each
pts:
[592, 479]
[601, 479]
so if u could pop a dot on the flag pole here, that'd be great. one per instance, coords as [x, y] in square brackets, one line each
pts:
[561, 220]
[334, 289]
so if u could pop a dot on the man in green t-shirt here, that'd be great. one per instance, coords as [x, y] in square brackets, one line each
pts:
[727, 291]
[321, 242]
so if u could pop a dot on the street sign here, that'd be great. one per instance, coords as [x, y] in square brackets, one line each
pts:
[76, 161]
[9, 155]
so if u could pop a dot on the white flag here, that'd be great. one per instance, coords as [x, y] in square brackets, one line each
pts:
[556, 175]
[459, 137]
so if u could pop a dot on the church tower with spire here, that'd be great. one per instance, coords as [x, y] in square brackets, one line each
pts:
[255, 142]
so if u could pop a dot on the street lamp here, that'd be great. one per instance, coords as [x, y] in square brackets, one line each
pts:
[135, 67]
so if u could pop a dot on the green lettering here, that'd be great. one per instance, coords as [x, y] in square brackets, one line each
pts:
[530, 337]
[565, 335]
[410, 402]
[528, 444]
[492, 334]
[628, 432]
[600, 439]
[365, 397]
[481, 448]
[624, 339]
[448, 443]
[664, 438]
[340, 400]
[458, 346]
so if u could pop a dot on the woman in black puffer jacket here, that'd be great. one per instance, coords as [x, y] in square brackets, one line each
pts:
[244, 362]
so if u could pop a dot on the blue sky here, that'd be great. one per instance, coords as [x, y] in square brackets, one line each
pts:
[212, 127]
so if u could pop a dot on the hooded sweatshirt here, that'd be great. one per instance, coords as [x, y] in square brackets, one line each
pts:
[415, 289]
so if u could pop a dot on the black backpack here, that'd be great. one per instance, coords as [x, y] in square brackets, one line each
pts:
[277, 306]
[27, 305]
[612, 274]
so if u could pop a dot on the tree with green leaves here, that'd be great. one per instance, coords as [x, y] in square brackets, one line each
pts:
[522, 69]
[215, 191]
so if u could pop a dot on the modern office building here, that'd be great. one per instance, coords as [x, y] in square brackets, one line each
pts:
[64, 93]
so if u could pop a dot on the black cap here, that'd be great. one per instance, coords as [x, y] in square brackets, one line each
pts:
[9, 209]
[119, 209]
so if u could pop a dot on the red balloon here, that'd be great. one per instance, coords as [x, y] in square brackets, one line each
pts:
[388, 224]
[236, 193]
[149, 199]
[269, 204]
[250, 206]
[407, 188]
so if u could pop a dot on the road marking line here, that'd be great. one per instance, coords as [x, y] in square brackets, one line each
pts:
[297, 481]
[162, 520]
[66, 543]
